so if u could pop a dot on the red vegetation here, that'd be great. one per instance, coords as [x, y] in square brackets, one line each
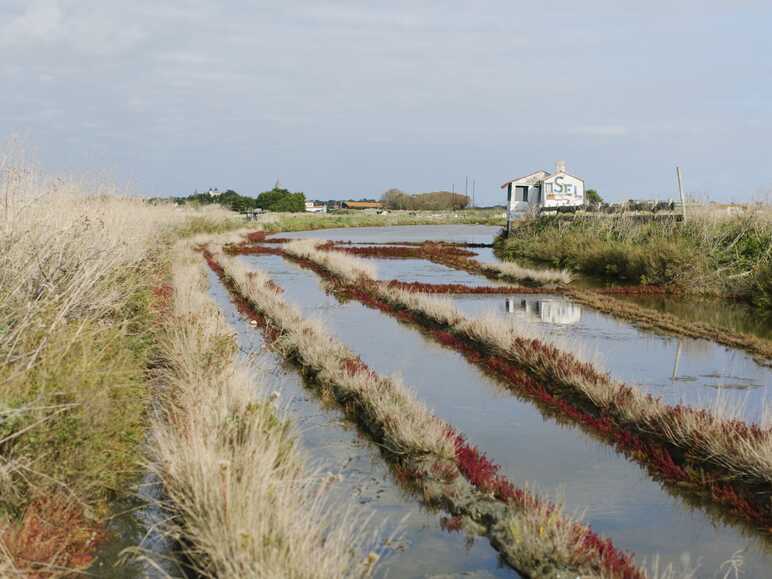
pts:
[452, 524]
[457, 288]
[162, 299]
[256, 236]
[485, 475]
[417, 243]
[251, 250]
[424, 250]
[53, 535]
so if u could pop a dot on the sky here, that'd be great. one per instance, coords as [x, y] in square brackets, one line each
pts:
[347, 98]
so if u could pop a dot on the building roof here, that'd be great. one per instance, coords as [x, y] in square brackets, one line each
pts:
[363, 204]
[530, 179]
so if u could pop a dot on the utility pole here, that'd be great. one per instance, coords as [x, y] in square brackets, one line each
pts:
[466, 186]
[474, 190]
[679, 177]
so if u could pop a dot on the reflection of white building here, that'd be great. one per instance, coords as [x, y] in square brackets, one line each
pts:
[550, 311]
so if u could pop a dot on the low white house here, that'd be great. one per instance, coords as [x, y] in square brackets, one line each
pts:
[312, 207]
[542, 190]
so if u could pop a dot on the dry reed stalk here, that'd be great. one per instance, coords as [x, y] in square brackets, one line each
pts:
[423, 444]
[231, 466]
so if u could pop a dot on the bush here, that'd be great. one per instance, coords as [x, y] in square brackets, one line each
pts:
[435, 201]
[715, 252]
[281, 200]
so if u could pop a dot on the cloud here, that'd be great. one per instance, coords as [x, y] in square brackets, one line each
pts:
[600, 130]
[38, 21]
[352, 96]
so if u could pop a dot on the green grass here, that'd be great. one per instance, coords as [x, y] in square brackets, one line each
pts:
[708, 254]
[88, 394]
[309, 221]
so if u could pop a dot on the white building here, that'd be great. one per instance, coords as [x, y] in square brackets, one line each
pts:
[312, 207]
[540, 190]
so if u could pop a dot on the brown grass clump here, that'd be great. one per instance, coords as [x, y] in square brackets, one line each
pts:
[246, 505]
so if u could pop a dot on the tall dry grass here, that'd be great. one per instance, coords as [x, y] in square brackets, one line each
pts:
[246, 503]
[511, 271]
[78, 266]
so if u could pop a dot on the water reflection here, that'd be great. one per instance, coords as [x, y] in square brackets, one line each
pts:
[549, 311]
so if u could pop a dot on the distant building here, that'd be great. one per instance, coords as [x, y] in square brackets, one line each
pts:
[362, 205]
[540, 190]
[314, 207]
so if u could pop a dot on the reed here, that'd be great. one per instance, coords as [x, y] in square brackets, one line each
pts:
[246, 504]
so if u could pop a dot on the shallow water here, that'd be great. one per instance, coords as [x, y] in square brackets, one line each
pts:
[424, 271]
[734, 316]
[135, 526]
[454, 233]
[421, 547]
[696, 372]
[622, 501]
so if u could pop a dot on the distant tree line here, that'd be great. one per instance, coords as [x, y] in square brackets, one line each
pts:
[436, 200]
[277, 199]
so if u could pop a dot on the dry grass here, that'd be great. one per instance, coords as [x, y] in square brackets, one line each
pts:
[231, 467]
[78, 269]
[510, 271]
[348, 267]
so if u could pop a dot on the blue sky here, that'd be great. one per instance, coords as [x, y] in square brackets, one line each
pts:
[346, 98]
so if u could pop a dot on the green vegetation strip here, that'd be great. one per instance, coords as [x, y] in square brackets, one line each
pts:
[740, 455]
[245, 504]
[726, 252]
[533, 535]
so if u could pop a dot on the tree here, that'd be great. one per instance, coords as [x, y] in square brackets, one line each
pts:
[278, 199]
[395, 199]
[592, 196]
[434, 201]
